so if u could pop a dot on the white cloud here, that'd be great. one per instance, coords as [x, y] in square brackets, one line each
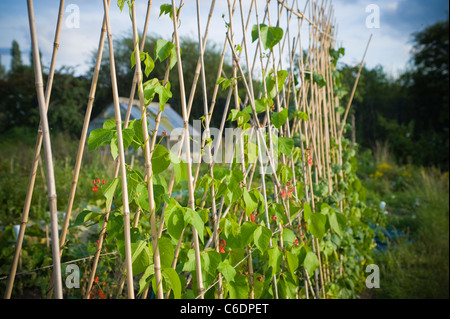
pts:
[392, 6]
[389, 48]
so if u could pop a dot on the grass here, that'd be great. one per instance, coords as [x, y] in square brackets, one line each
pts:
[415, 266]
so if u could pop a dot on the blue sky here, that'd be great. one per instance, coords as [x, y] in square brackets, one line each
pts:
[390, 46]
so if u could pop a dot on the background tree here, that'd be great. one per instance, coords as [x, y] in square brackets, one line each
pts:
[19, 107]
[410, 113]
[427, 86]
[16, 57]
[2, 68]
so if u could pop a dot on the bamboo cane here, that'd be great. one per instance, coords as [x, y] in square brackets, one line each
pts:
[82, 140]
[123, 174]
[187, 151]
[48, 154]
[148, 164]
[116, 171]
[37, 156]
[354, 89]
[83, 134]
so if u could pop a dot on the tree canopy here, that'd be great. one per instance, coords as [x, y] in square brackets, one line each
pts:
[410, 113]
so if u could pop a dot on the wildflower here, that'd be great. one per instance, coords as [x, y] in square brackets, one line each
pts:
[104, 182]
[164, 133]
[296, 243]
[283, 194]
[96, 279]
[274, 217]
[252, 218]
[259, 278]
[310, 161]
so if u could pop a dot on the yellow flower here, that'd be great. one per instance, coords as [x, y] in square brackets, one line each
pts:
[384, 167]
[378, 174]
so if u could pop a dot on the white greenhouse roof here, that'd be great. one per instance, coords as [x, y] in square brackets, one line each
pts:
[170, 119]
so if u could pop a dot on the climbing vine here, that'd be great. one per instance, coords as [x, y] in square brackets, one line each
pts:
[299, 231]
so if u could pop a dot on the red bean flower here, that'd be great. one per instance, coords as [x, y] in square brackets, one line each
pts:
[290, 192]
[101, 294]
[95, 188]
[222, 244]
[97, 184]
